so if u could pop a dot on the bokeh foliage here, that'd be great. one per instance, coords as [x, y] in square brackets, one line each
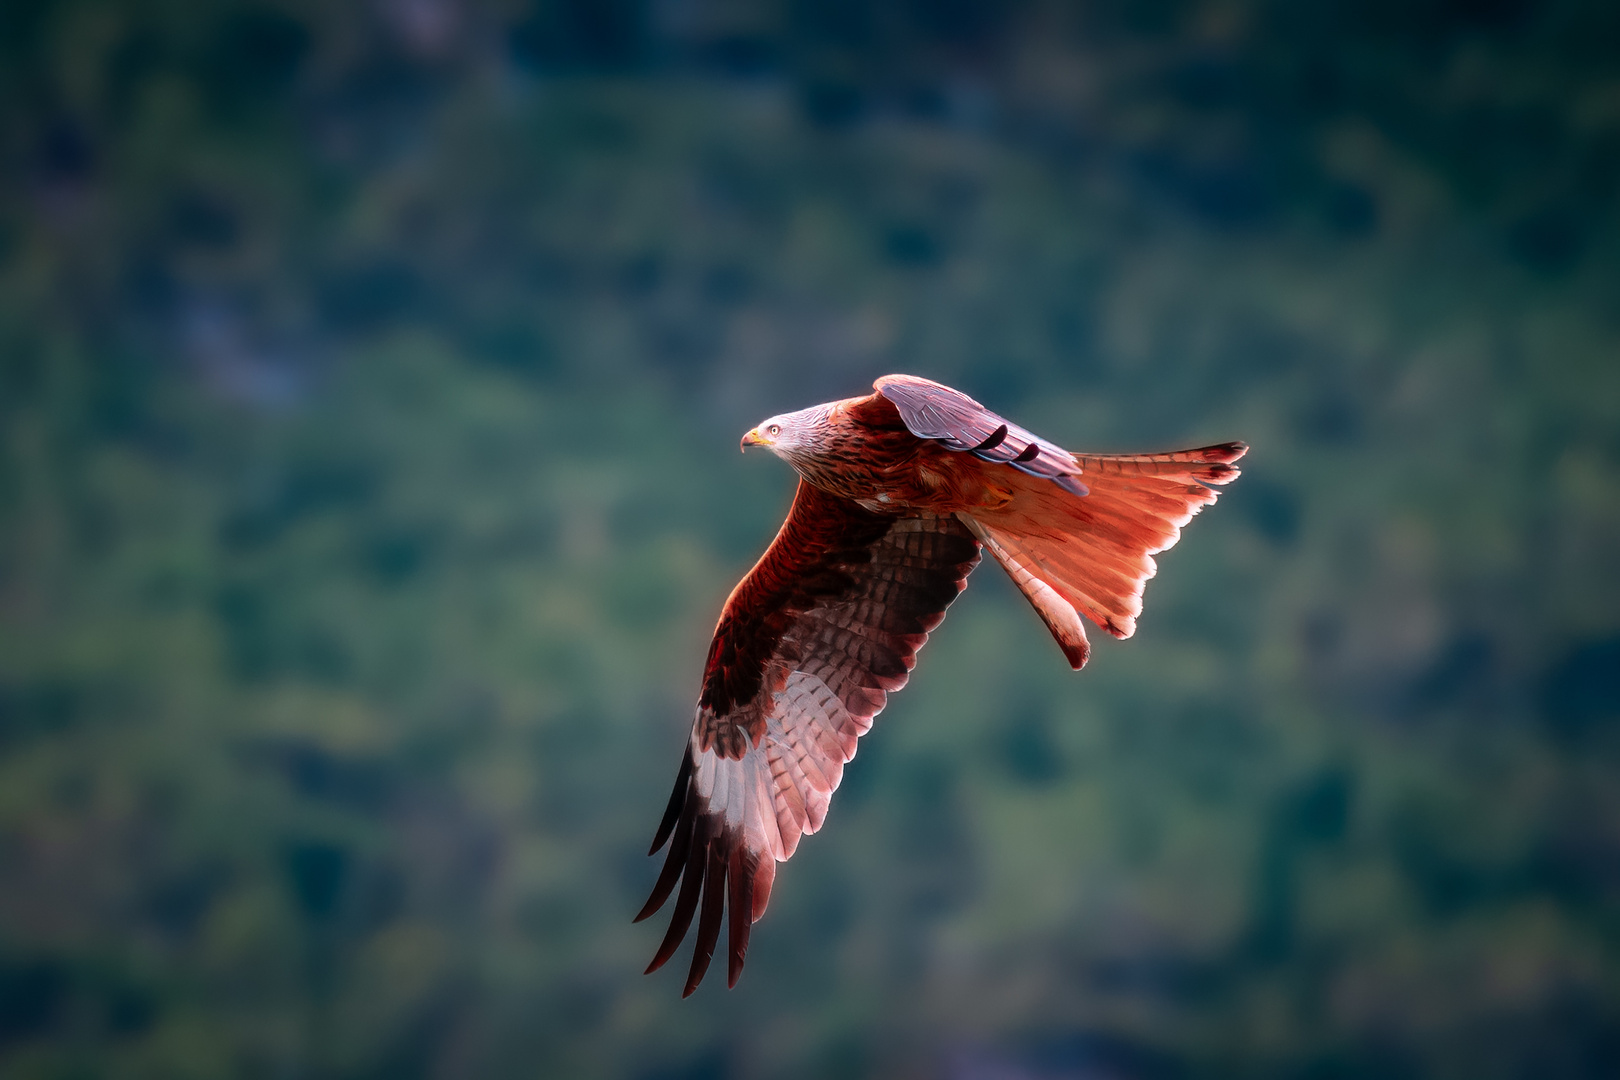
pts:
[370, 377]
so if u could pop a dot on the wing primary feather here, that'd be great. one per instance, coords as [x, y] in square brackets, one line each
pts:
[673, 862]
[741, 902]
[764, 878]
[677, 800]
[714, 897]
[993, 441]
[1028, 453]
[686, 902]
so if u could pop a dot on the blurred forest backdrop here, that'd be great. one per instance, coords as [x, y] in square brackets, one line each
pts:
[371, 376]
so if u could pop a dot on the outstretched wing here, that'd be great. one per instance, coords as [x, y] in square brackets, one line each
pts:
[932, 410]
[809, 646]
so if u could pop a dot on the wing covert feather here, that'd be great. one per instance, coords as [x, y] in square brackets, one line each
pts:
[932, 410]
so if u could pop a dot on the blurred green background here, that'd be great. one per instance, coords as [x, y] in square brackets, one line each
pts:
[371, 376]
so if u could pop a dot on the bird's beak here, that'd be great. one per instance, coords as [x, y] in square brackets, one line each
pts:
[752, 439]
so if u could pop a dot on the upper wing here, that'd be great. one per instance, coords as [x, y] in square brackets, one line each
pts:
[808, 647]
[1070, 556]
[932, 410]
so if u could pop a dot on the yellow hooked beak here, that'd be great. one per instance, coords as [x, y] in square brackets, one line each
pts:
[753, 438]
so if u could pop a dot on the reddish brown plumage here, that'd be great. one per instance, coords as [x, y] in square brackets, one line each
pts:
[899, 491]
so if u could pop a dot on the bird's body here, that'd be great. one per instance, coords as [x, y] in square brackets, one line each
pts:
[899, 492]
[869, 457]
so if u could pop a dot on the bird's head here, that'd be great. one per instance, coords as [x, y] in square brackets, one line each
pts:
[793, 436]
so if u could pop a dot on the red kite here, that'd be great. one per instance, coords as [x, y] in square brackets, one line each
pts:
[899, 491]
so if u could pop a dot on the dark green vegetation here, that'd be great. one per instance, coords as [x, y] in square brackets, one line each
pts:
[371, 377]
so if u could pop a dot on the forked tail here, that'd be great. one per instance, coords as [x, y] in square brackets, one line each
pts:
[1091, 555]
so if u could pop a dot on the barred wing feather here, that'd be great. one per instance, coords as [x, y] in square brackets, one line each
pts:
[809, 646]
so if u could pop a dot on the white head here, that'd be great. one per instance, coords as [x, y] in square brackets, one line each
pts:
[794, 437]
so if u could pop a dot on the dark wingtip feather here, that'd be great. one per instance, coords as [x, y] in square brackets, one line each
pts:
[1028, 453]
[1225, 453]
[714, 898]
[677, 800]
[673, 862]
[993, 441]
[741, 901]
[764, 878]
[685, 903]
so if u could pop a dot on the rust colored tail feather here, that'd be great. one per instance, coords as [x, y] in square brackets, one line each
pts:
[1091, 555]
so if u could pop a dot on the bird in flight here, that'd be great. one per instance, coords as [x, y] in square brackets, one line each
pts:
[899, 492]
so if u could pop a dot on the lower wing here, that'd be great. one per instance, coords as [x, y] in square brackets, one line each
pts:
[809, 646]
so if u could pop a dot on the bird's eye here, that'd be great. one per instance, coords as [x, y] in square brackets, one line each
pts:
[774, 430]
